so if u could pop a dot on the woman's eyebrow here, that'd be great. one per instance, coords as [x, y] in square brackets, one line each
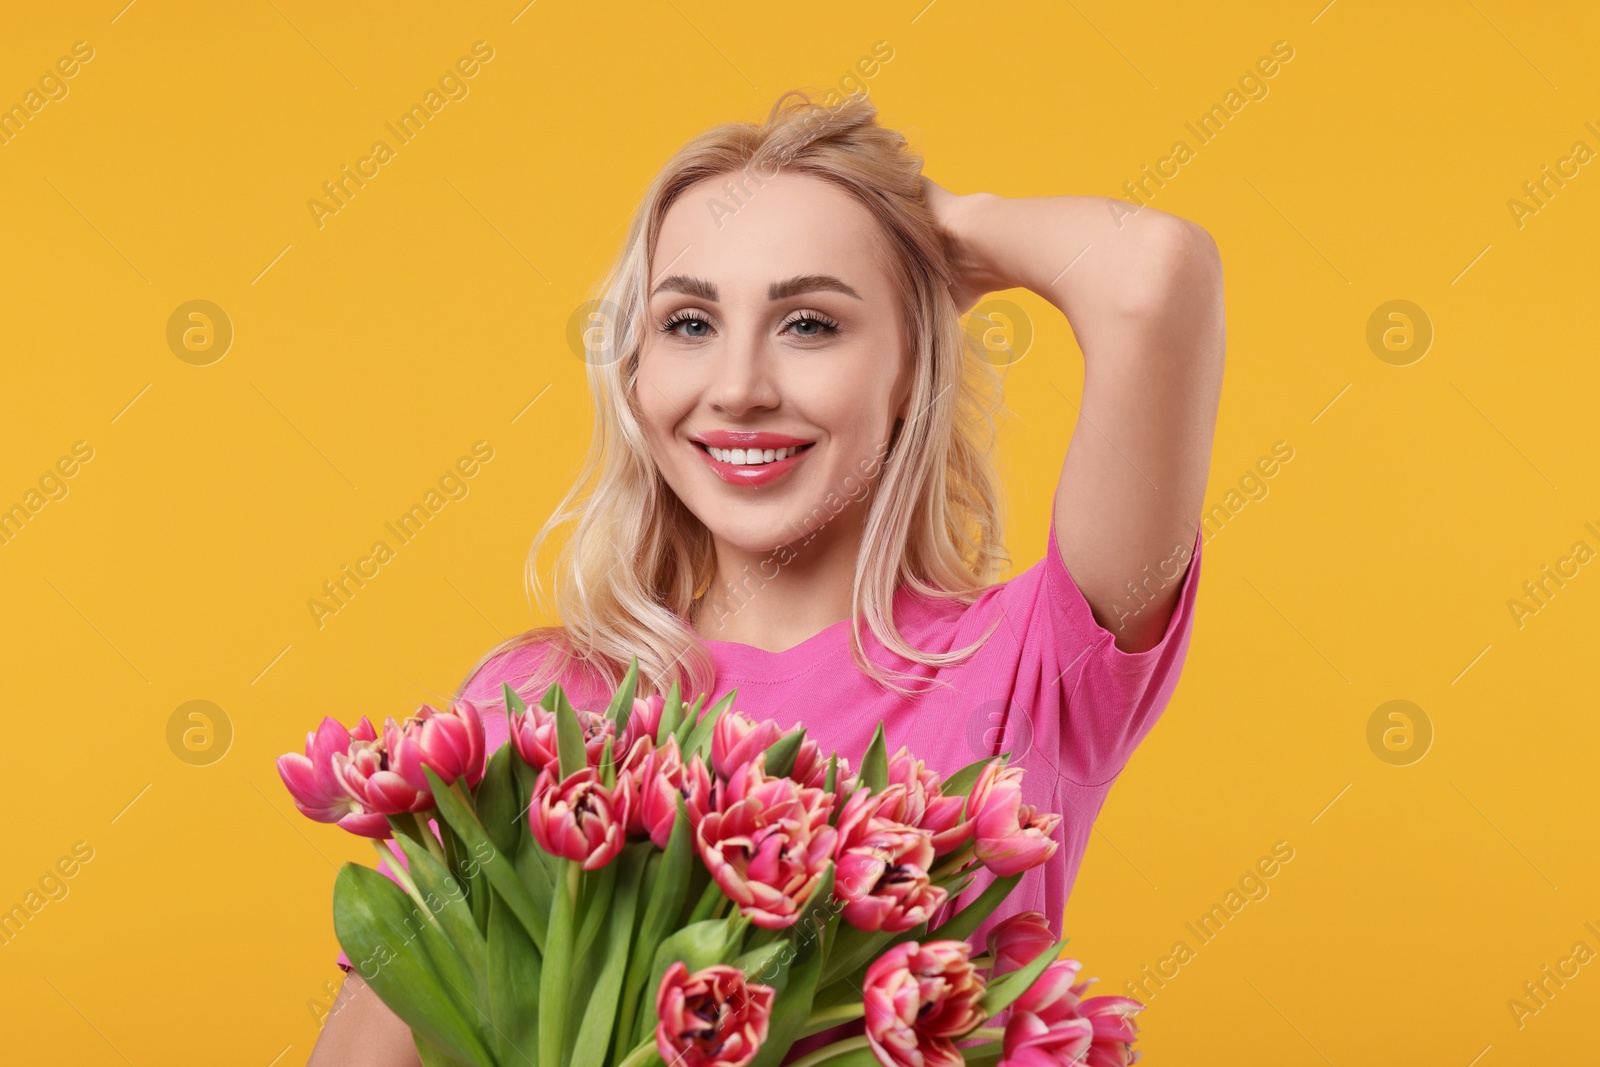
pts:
[803, 283]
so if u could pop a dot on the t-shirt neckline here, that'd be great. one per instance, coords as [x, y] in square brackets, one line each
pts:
[739, 651]
[744, 651]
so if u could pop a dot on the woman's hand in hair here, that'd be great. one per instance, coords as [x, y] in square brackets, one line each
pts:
[973, 275]
[1142, 291]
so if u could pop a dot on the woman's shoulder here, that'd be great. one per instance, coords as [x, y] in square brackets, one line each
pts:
[927, 611]
[1040, 605]
[528, 663]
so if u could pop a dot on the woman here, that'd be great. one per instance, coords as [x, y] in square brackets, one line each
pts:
[790, 488]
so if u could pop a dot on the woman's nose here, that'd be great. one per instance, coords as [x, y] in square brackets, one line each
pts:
[741, 377]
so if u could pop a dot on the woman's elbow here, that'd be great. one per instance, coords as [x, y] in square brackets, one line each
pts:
[1173, 262]
[361, 1030]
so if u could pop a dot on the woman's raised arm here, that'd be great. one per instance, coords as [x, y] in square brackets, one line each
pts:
[1142, 290]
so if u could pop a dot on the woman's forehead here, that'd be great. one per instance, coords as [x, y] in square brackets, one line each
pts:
[747, 237]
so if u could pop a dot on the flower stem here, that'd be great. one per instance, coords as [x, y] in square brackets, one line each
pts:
[953, 864]
[427, 837]
[828, 1052]
[639, 1055]
[403, 876]
[827, 1017]
[708, 900]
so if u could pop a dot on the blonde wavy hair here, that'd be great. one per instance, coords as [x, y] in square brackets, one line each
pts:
[638, 559]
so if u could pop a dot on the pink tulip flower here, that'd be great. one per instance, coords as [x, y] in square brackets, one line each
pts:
[737, 739]
[925, 804]
[379, 781]
[883, 878]
[314, 784]
[578, 818]
[812, 767]
[918, 999]
[661, 783]
[711, 1018]
[533, 734]
[1114, 1030]
[1017, 942]
[1050, 1024]
[912, 797]
[449, 743]
[644, 721]
[1011, 836]
[766, 841]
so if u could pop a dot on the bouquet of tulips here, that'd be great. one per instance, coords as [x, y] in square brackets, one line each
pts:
[654, 885]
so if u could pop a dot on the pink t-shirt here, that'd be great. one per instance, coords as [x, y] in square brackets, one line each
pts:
[1049, 685]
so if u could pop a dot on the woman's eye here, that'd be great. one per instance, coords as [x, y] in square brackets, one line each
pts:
[695, 325]
[811, 326]
[690, 325]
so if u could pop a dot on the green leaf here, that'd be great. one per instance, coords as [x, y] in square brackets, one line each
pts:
[691, 716]
[527, 778]
[853, 1057]
[513, 988]
[767, 964]
[961, 925]
[810, 930]
[594, 1033]
[453, 810]
[875, 764]
[782, 752]
[497, 802]
[669, 889]
[710, 897]
[514, 703]
[431, 1055]
[378, 928]
[554, 981]
[592, 907]
[1007, 988]
[671, 715]
[699, 739]
[456, 944]
[533, 870]
[574, 756]
[445, 897]
[986, 1054]
[622, 703]
[960, 783]
[790, 1009]
[851, 949]
[478, 897]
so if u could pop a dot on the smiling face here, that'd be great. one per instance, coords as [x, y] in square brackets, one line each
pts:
[774, 365]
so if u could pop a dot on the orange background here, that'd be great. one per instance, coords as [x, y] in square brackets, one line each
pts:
[431, 312]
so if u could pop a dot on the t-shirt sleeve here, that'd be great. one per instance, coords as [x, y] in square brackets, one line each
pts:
[1072, 706]
[1104, 699]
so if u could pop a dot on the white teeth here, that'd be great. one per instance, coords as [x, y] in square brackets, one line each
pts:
[742, 457]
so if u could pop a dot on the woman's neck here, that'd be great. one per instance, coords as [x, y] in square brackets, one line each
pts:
[775, 600]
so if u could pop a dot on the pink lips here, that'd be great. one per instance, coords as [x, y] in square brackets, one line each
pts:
[750, 474]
